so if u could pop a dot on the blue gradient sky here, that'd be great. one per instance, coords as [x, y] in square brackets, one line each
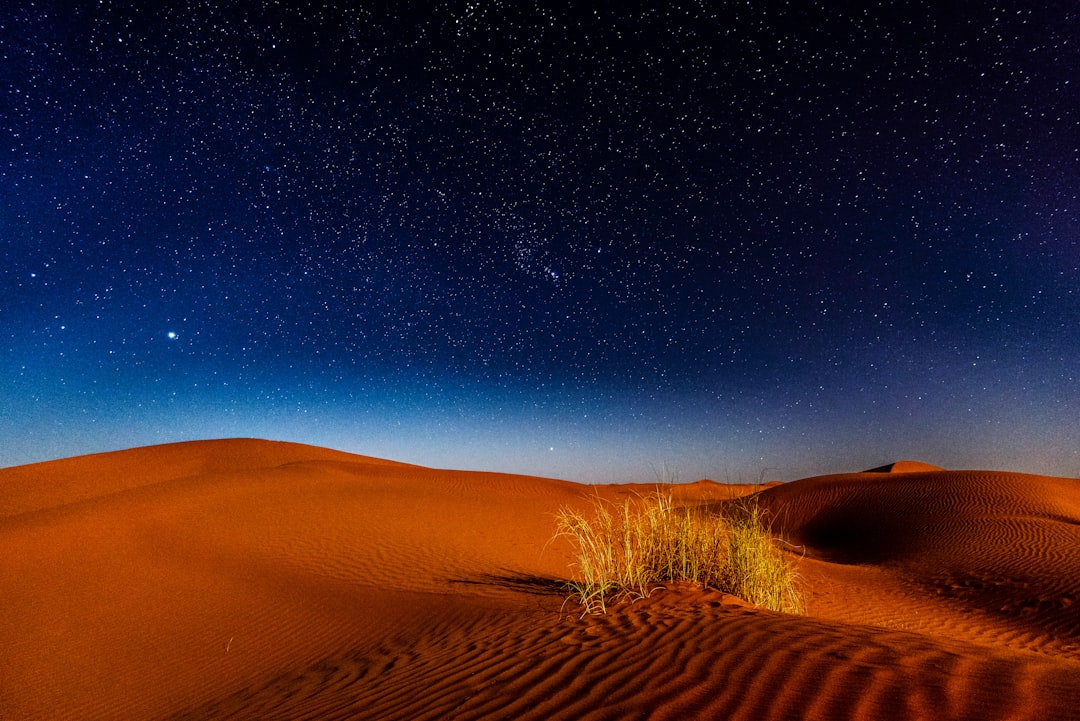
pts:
[739, 242]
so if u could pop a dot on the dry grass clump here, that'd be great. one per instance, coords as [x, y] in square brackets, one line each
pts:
[624, 551]
[756, 569]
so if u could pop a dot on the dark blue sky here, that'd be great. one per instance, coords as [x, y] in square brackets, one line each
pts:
[735, 240]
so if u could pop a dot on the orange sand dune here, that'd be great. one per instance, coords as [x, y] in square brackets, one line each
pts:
[975, 555]
[905, 467]
[255, 580]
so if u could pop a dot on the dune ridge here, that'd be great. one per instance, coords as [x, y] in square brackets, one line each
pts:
[50, 484]
[247, 579]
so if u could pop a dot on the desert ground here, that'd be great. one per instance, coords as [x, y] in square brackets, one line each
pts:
[248, 579]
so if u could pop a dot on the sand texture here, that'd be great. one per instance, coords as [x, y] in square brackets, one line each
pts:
[245, 579]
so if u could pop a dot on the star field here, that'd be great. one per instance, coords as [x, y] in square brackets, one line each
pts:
[733, 240]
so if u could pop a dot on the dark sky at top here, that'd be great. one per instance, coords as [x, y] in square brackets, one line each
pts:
[734, 240]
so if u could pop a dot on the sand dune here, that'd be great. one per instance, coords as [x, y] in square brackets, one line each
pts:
[905, 467]
[248, 579]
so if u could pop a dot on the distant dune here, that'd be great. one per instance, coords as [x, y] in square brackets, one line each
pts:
[906, 467]
[246, 579]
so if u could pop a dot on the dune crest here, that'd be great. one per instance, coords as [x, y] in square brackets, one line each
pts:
[248, 579]
[51, 484]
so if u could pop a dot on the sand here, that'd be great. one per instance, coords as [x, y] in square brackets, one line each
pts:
[245, 579]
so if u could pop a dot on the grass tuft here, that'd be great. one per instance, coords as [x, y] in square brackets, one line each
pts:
[757, 570]
[623, 552]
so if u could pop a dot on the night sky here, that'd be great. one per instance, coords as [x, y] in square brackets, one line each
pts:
[742, 241]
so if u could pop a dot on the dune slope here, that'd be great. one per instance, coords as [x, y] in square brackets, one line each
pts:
[256, 580]
[973, 555]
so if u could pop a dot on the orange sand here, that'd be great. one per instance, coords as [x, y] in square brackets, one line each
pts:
[247, 579]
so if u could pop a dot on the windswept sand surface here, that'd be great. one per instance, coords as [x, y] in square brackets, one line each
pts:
[247, 579]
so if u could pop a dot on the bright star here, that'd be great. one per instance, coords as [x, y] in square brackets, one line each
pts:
[171, 335]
